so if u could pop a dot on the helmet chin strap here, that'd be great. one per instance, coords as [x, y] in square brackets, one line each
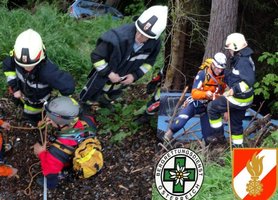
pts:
[61, 127]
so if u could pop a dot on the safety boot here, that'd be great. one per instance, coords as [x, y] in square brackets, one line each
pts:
[105, 103]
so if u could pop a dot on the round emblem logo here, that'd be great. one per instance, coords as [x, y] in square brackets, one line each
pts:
[179, 174]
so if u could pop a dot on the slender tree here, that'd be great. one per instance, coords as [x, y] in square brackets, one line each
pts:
[175, 76]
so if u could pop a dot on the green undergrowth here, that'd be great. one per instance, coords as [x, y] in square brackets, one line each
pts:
[68, 41]
[120, 122]
[271, 141]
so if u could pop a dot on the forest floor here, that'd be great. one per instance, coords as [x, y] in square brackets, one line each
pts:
[127, 172]
[128, 165]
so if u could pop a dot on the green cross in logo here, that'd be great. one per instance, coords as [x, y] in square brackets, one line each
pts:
[179, 174]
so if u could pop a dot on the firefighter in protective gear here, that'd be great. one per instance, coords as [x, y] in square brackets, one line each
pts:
[63, 113]
[240, 81]
[123, 55]
[31, 76]
[207, 86]
[5, 170]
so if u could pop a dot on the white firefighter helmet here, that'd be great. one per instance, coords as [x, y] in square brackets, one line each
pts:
[235, 42]
[152, 21]
[219, 60]
[62, 110]
[28, 49]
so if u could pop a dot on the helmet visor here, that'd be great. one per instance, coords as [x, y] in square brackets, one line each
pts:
[49, 112]
[218, 64]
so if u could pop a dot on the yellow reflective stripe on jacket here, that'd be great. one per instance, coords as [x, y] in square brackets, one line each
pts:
[240, 102]
[145, 67]
[10, 75]
[243, 86]
[31, 110]
[100, 65]
[216, 123]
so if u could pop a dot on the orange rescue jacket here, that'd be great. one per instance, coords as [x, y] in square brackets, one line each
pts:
[207, 81]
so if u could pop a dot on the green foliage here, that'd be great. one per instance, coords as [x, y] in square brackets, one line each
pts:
[4, 3]
[266, 85]
[269, 84]
[215, 184]
[271, 141]
[120, 122]
[136, 8]
[271, 58]
[68, 42]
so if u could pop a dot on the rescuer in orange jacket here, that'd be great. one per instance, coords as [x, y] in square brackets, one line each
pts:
[208, 85]
[5, 170]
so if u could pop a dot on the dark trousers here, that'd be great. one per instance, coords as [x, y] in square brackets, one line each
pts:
[93, 87]
[219, 106]
[187, 113]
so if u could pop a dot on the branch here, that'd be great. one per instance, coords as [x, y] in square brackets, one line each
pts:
[178, 104]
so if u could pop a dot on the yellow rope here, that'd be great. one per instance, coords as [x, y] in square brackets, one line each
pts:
[27, 191]
[23, 128]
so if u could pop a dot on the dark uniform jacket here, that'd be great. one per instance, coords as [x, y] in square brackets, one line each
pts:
[38, 83]
[116, 48]
[243, 72]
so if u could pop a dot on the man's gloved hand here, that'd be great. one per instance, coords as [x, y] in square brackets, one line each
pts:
[151, 86]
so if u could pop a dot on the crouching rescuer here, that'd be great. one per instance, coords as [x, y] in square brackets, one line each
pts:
[74, 139]
[124, 55]
[31, 75]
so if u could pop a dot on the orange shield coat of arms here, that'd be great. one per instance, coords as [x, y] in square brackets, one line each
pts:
[254, 173]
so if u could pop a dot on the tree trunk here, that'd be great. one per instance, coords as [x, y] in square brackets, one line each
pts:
[223, 19]
[175, 78]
